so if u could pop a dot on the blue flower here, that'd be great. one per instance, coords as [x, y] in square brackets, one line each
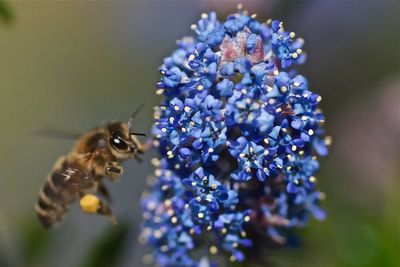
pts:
[225, 87]
[238, 134]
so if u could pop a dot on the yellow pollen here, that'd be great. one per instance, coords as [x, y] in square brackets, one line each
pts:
[292, 35]
[294, 148]
[174, 220]
[328, 140]
[313, 179]
[90, 203]
[164, 187]
[247, 218]
[200, 215]
[213, 250]
[193, 26]
[310, 132]
[200, 87]
[168, 202]
[157, 234]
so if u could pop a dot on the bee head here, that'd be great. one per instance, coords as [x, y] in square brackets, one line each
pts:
[122, 142]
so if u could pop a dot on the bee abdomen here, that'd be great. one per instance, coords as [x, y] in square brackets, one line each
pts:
[47, 214]
[54, 197]
[62, 188]
[49, 206]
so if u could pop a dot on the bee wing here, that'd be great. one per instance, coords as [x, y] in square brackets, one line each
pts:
[57, 134]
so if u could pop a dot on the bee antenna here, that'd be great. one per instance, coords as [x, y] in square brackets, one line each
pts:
[137, 111]
[139, 134]
[134, 115]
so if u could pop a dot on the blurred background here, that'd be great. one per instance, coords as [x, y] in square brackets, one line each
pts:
[73, 65]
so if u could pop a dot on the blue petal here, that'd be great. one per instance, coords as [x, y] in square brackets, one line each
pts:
[225, 87]
[227, 69]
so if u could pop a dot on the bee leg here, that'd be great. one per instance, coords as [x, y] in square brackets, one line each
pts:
[106, 210]
[93, 205]
[138, 158]
[104, 192]
[114, 171]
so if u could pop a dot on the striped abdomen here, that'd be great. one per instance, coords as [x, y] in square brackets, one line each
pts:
[62, 188]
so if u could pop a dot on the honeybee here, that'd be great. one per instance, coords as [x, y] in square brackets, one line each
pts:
[97, 153]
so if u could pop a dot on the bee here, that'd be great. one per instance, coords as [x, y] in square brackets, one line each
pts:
[97, 153]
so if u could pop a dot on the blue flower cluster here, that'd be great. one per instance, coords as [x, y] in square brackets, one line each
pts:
[238, 135]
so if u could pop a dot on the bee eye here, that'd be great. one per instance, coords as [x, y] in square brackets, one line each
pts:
[118, 143]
